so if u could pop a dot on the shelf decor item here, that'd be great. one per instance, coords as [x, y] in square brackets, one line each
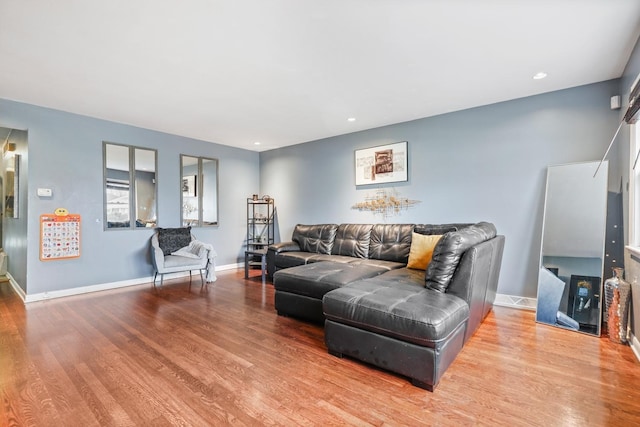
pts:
[617, 293]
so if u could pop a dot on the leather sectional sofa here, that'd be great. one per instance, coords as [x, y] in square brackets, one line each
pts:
[356, 278]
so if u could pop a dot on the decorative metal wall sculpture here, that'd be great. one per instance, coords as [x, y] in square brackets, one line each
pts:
[386, 203]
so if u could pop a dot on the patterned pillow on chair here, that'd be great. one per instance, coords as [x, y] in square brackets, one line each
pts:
[172, 239]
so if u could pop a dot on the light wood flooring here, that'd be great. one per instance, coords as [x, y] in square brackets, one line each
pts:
[180, 356]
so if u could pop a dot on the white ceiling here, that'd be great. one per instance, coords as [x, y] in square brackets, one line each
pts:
[284, 72]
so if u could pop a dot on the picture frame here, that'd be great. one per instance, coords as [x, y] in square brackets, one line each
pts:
[584, 299]
[381, 164]
[189, 186]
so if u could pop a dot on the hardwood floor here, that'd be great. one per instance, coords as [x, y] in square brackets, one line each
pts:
[180, 356]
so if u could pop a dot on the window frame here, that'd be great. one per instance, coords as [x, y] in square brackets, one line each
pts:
[132, 188]
[634, 190]
[633, 243]
[199, 182]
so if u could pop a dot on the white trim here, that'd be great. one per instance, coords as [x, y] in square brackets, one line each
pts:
[236, 266]
[16, 287]
[633, 150]
[635, 346]
[633, 250]
[43, 296]
[512, 301]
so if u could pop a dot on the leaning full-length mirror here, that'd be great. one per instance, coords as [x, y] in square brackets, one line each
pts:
[573, 238]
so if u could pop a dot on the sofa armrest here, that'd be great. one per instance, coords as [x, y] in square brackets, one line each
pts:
[157, 256]
[284, 247]
[275, 249]
[476, 280]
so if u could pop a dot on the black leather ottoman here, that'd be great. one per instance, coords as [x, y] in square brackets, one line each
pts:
[396, 325]
[299, 290]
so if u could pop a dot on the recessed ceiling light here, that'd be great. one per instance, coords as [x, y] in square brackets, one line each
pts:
[257, 143]
[351, 119]
[539, 76]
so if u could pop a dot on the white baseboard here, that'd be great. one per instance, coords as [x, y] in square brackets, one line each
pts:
[43, 296]
[635, 346]
[16, 287]
[230, 266]
[512, 301]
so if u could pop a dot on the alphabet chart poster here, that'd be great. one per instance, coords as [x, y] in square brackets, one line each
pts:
[59, 235]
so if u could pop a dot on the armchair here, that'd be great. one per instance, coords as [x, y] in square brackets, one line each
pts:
[176, 249]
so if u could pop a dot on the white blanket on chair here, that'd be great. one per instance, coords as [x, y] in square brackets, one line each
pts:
[196, 250]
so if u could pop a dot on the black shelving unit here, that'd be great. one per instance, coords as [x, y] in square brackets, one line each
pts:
[260, 233]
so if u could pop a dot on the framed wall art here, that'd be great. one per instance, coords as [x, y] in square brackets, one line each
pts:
[189, 186]
[381, 164]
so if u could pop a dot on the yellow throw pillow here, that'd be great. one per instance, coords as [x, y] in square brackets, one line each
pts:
[422, 250]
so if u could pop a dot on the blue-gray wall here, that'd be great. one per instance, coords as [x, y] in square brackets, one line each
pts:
[65, 154]
[487, 163]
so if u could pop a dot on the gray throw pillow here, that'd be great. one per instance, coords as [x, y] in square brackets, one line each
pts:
[172, 239]
[449, 250]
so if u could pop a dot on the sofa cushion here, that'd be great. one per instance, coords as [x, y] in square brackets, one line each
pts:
[315, 280]
[315, 238]
[450, 248]
[293, 259]
[390, 242]
[405, 275]
[387, 265]
[352, 240]
[331, 258]
[391, 306]
[172, 261]
[172, 239]
[421, 252]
